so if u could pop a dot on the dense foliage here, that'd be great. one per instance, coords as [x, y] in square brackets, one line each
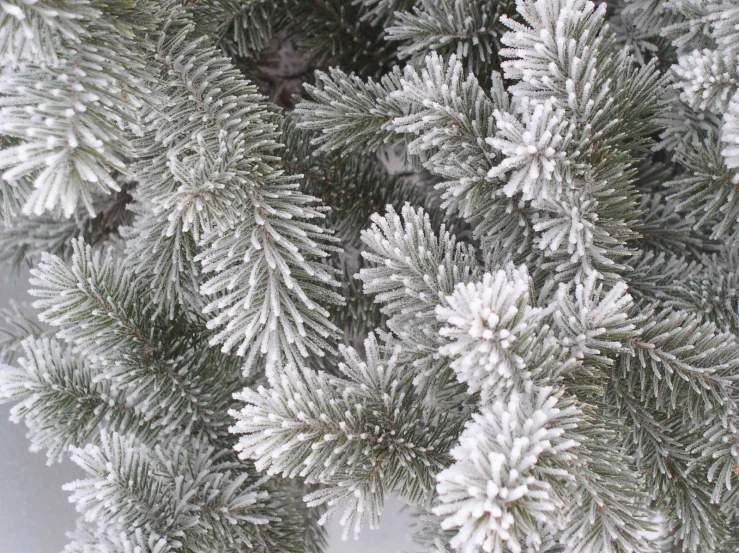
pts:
[292, 256]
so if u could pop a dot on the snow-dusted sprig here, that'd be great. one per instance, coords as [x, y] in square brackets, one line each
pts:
[550, 24]
[216, 127]
[210, 172]
[535, 152]
[563, 54]
[608, 509]
[470, 30]
[707, 80]
[98, 309]
[162, 256]
[575, 240]
[414, 267]
[680, 367]
[33, 30]
[72, 129]
[411, 270]
[201, 154]
[363, 434]
[68, 115]
[450, 117]
[62, 401]
[120, 467]
[544, 167]
[724, 20]
[489, 316]
[273, 292]
[497, 340]
[93, 302]
[209, 190]
[350, 114]
[510, 473]
[595, 321]
[177, 496]
[684, 364]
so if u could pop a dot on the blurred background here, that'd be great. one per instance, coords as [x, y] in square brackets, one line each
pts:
[35, 513]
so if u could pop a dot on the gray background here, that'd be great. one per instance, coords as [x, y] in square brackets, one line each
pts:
[35, 513]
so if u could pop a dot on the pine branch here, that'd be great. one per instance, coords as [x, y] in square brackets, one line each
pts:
[364, 434]
[97, 309]
[63, 401]
[64, 107]
[213, 174]
[469, 30]
[172, 496]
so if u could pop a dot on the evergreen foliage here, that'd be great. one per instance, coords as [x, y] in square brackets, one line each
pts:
[290, 257]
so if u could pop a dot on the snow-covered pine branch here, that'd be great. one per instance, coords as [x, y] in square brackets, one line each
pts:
[73, 82]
